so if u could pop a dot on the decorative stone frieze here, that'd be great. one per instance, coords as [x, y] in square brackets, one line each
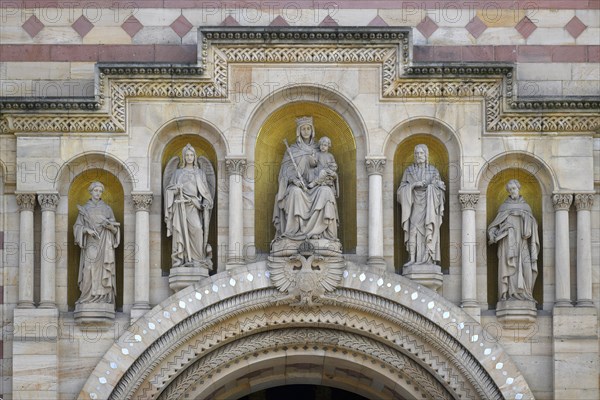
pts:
[142, 202]
[25, 201]
[562, 201]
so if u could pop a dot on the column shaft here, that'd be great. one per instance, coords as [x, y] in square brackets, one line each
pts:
[48, 202]
[235, 168]
[26, 203]
[562, 202]
[469, 249]
[375, 168]
[141, 294]
[583, 203]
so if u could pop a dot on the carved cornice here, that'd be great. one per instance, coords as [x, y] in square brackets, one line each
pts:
[375, 166]
[562, 201]
[25, 201]
[584, 201]
[142, 201]
[468, 201]
[221, 46]
[48, 201]
[235, 166]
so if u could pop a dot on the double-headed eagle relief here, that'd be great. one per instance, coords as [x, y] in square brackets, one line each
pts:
[305, 260]
[189, 192]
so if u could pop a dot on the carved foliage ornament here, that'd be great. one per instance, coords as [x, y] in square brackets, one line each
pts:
[25, 201]
[235, 166]
[375, 166]
[48, 201]
[584, 201]
[468, 201]
[142, 202]
[562, 201]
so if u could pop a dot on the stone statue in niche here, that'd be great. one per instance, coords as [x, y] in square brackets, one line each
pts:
[305, 205]
[305, 263]
[421, 196]
[189, 191]
[98, 234]
[515, 230]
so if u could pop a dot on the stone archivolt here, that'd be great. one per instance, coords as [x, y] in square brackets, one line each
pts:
[385, 323]
[388, 47]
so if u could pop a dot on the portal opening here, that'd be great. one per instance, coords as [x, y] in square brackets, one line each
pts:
[303, 392]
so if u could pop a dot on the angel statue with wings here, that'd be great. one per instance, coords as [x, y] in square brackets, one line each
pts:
[188, 198]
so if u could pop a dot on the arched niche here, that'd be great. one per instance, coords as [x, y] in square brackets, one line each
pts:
[114, 197]
[538, 182]
[174, 148]
[269, 151]
[495, 196]
[403, 158]
[81, 170]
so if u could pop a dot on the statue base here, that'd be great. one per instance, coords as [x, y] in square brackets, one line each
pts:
[285, 247]
[516, 312]
[428, 275]
[94, 313]
[182, 277]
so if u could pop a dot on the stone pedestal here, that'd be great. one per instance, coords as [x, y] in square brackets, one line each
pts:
[182, 277]
[95, 313]
[323, 247]
[516, 312]
[428, 275]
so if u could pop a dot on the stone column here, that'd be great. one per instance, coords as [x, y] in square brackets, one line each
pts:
[48, 202]
[235, 169]
[562, 202]
[375, 168]
[468, 201]
[141, 295]
[583, 204]
[26, 203]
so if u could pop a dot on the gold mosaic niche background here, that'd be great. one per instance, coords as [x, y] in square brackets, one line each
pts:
[78, 195]
[174, 148]
[268, 156]
[495, 196]
[404, 157]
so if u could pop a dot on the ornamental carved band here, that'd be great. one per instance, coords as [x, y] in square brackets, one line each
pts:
[142, 202]
[25, 201]
[235, 166]
[584, 201]
[562, 201]
[48, 201]
[468, 201]
[375, 166]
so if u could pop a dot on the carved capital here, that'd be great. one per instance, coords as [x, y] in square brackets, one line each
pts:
[48, 201]
[235, 166]
[468, 201]
[375, 165]
[142, 202]
[562, 201]
[25, 201]
[584, 201]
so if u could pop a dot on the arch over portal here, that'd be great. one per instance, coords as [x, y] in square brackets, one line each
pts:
[206, 337]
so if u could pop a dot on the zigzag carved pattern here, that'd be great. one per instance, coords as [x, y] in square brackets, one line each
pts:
[276, 341]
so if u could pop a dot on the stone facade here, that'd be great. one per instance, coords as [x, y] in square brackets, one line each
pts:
[495, 92]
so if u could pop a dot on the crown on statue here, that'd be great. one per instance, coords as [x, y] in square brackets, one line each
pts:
[304, 120]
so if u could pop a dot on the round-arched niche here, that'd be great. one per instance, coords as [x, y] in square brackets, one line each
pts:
[114, 197]
[496, 195]
[403, 158]
[174, 148]
[269, 152]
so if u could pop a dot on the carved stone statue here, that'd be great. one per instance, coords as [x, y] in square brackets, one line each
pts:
[188, 200]
[305, 204]
[421, 196]
[516, 232]
[98, 234]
